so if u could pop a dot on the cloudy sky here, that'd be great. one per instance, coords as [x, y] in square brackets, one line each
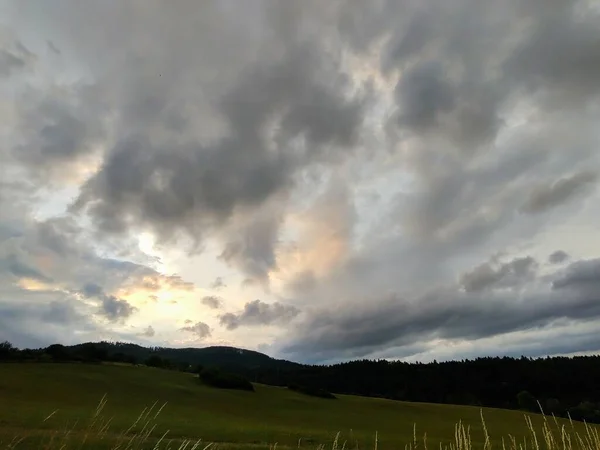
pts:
[320, 181]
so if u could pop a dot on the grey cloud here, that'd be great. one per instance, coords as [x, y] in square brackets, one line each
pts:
[460, 79]
[218, 283]
[580, 274]
[280, 115]
[455, 82]
[558, 257]
[39, 319]
[546, 197]
[199, 329]
[10, 62]
[423, 94]
[110, 307]
[52, 47]
[212, 301]
[57, 252]
[258, 313]
[448, 314]
[14, 59]
[58, 131]
[148, 331]
[490, 96]
[69, 259]
[59, 235]
[115, 309]
[560, 54]
[446, 87]
[490, 274]
[92, 290]
[430, 101]
[252, 248]
[548, 342]
[60, 312]
[20, 269]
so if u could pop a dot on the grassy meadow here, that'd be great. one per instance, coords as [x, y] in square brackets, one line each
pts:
[77, 406]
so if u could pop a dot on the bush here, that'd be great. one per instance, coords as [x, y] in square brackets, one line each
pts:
[313, 392]
[216, 378]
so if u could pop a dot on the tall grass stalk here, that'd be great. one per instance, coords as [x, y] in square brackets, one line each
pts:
[142, 435]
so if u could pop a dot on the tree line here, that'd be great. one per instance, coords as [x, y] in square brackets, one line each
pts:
[563, 386]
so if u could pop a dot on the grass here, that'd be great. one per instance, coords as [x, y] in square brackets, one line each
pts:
[56, 406]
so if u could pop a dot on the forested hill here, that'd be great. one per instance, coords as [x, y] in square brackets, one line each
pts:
[231, 358]
[563, 386]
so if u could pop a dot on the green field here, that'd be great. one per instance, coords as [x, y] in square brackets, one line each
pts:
[70, 393]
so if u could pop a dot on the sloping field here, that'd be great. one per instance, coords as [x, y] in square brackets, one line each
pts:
[70, 393]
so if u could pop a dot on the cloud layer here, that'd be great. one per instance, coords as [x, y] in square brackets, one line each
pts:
[398, 179]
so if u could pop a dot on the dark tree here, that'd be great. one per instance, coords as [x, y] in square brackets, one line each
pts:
[59, 352]
[7, 351]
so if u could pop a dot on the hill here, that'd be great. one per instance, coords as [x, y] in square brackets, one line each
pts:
[225, 357]
[69, 393]
[563, 386]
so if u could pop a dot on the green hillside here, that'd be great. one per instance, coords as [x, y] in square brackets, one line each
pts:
[31, 392]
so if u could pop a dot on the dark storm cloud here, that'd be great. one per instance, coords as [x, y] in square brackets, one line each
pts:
[546, 197]
[257, 313]
[449, 314]
[212, 301]
[199, 329]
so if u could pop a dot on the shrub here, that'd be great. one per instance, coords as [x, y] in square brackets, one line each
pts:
[216, 378]
[313, 392]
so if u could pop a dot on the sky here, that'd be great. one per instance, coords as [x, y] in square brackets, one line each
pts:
[320, 181]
